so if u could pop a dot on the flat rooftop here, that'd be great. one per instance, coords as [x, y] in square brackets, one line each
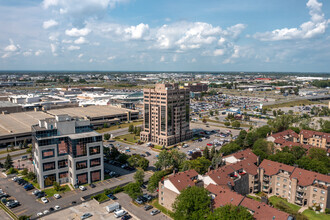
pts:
[90, 111]
[20, 122]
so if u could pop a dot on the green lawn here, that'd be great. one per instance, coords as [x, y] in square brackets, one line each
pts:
[162, 208]
[115, 127]
[36, 185]
[292, 103]
[128, 138]
[101, 197]
[313, 216]
[51, 191]
[275, 200]
[254, 197]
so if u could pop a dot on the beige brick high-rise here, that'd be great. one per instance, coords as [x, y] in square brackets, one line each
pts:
[166, 115]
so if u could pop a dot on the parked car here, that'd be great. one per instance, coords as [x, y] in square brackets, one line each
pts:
[86, 215]
[92, 185]
[35, 192]
[120, 213]
[28, 187]
[82, 188]
[57, 207]
[40, 195]
[139, 201]
[15, 178]
[73, 202]
[143, 186]
[126, 217]
[12, 204]
[46, 212]
[148, 154]
[44, 199]
[147, 207]
[3, 195]
[39, 214]
[147, 197]
[154, 212]
[57, 196]
[51, 209]
[111, 196]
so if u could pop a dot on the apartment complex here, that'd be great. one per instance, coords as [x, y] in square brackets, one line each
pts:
[315, 138]
[66, 150]
[298, 186]
[306, 139]
[166, 115]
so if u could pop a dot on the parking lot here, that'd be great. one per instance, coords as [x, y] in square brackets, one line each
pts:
[29, 205]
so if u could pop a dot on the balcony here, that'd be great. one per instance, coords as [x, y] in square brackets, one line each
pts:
[266, 179]
[300, 189]
[298, 202]
[265, 189]
[265, 184]
[299, 196]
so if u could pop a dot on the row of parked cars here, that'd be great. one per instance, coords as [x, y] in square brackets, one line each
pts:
[26, 185]
[10, 203]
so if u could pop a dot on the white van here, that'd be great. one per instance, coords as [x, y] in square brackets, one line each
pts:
[112, 207]
[120, 213]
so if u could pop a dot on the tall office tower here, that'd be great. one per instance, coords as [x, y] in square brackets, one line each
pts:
[66, 150]
[166, 115]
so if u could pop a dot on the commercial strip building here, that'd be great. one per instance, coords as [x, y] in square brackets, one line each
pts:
[242, 176]
[67, 150]
[16, 127]
[166, 115]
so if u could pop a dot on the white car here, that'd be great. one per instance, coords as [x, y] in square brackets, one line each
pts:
[82, 188]
[57, 207]
[57, 196]
[46, 212]
[39, 214]
[44, 199]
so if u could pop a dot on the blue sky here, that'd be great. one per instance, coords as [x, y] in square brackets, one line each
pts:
[165, 35]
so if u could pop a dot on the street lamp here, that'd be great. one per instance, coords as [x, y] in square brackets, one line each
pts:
[18, 163]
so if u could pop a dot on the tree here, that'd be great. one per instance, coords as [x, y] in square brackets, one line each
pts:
[196, 155]
[230, 148]
[192, 203]
[229, 212]
[295, 129]
[131, 128]
[8, 162]
[262, 148]
[133, 190]
[263, 131]
[138, 131]
[105, 125]
[155, 178]
[216, 160]
[282, 122]
[173, 158]
[296, 91]
[25, 143]
[31, 176]
[138, 161]
[25, 171]
[139, 176]
[114, 153]
[274, 113]
[227, 123]
[206, 153]
[211, 112]
[123, 158]
[106, 136]
[106, 151]
[283, 157]
[204, 120]
[236, 124]
[143, 163]
[56, 186]
[135, 130]
[216, 112]
[212, 152]
[201, 165]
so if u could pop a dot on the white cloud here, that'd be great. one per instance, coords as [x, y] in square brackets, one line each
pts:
[137, 32]
[193, 60]
[38, 52]
[50, 23]
[74, 32]
[91, 60]
[81, 40]
[72, 47]
[219, 52]
[27, 53]
[6, 55]
[66, 41]
[80, 55]
[316, 26]
[111, 57]
[162, 59]
[53, 48]
[12, 47]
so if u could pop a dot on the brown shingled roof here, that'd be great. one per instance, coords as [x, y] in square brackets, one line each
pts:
[310, 134]
[183, 179]
[282, 134]
[249, 167]
[263, 211]
[246, 154]
[224, 196]
[306, 178]
[272, 167]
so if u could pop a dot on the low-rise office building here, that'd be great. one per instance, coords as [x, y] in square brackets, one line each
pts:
[66, 150]
[315, 138]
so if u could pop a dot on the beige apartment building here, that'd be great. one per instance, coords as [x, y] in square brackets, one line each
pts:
[166, 115]
[315, 138]
[298, 186]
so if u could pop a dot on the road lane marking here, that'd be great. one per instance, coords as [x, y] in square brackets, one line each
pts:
[21, 212]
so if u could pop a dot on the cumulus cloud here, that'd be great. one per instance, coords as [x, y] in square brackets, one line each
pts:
[74, 32]
[162, 58]
[72, 47]
[137, 32]
[53, 48]
[50, 23]
[81, 40]
[12, 47]
[80, 55]
[80, 10]
[111, 57]
[219, 52]
[316, 26]
[38, 52]
[27, 53]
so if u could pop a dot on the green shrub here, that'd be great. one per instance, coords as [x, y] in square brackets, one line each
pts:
[25, 171]
[12, 170]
